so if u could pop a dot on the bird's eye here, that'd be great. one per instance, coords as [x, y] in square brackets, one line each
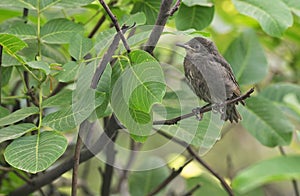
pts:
[197, 47]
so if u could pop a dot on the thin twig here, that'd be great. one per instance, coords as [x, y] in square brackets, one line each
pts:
[203, 110]
[175, 8]
[294, 182]
[190, 192]
[199, 160]
[169, 179]
[106, 58]
[116, 24]
[159, 26]
[97, 26]
[204, 164]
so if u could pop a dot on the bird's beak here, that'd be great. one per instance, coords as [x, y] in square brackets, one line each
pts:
[185, 46]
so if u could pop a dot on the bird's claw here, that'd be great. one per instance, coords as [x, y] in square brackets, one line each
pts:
[218, 108]
[198, 113]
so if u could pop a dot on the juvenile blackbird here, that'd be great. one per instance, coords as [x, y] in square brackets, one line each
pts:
[210, 76]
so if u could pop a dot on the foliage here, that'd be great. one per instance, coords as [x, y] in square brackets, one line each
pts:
[49, 58]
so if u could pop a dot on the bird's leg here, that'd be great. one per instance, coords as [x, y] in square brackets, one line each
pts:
[197, 111]
[218, 107]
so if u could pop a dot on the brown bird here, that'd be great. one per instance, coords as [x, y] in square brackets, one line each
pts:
[211, 77]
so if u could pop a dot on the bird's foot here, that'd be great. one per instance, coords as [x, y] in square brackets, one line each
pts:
[198, 113]
[218, 108]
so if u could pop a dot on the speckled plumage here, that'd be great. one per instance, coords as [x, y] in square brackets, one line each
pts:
[210, 76]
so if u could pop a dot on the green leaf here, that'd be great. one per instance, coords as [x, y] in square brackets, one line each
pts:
[294, 5]
[69, 72]
[277, 92]
[44, 66]
[59, 31]
[273, 15]
[63, 98]
[11, 44]
[138, 18]
[143, 182]
[247, 59]
[15, 131]
[18, 115]
[79, 48]
[3, 112]
[5, 75]
[23, 31]
[266, 122]
[195, 17]
[190, 3]
[271, 170]
[35, 153]
[150, 8]
[140, 86]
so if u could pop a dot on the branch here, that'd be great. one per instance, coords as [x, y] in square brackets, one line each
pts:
[106, 58]
[169, 179]
[175, 8]
[190, 192]
[158, 28]
[199, 160]
[203, 109]
[86, 154]
[109, 167]
[116, 24]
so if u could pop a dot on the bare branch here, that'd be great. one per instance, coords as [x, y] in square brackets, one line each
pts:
[190, 192]
[116, 24]
[199, 160]
[169, 179]
[202, 110]
[158, 28]
[175, 7]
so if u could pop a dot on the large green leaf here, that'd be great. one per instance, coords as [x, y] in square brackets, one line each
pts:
[18, 115]
[59, 31]
[5, 75]
[294, 5]
[79, 48]
[15, 131]
[69, 72]
[143, 182]
[198, 2]
[35, 153]
[195, 17]
[140, 86]
[41, 65]
[273, 15]
[277, 92]
[3, 112]
[247, 58]
[271, 170]
[266, 122]
[23, 31]
[149, 7]
[63, 98]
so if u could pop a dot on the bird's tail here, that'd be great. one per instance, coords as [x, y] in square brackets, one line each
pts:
[231, 114]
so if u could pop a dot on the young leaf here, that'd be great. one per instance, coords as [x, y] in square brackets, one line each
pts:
[63, 98]
[272, 21]
[271, 170]
[195, 17]
[247, 59]
[190, 3]
[3, 112]
[11, 44]
[59, 31]
[139, 87]
[266, 122]
[35, 153]
[80, 46]
[6, 74]
[15, 131]
[18, 115]
[44, 66]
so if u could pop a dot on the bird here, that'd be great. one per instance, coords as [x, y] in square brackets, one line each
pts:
[211, 77]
